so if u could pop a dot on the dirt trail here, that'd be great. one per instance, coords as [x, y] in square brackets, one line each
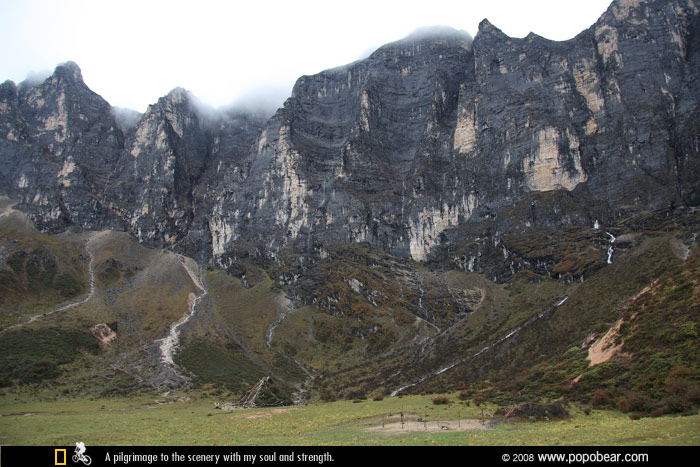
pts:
[193, 270]
[299, 396]
[170, 343]
[282, 303]
[68, 306]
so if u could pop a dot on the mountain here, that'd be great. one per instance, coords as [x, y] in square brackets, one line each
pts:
[427, 137]
[395, 218]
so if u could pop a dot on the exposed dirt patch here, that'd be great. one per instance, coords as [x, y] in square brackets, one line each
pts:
[104, 334]
[156, 403]
[604, 348]
[429, 427]
[269, 413]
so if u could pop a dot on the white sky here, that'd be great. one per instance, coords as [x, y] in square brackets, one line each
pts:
[132, 52]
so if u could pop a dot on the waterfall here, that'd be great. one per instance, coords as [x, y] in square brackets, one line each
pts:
[610, 248]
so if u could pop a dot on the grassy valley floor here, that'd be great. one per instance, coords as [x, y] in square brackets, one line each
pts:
[193, 420]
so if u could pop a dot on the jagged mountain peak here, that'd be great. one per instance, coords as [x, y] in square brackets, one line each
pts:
[485, 24]
[184, 103]
[486, 27]
[61, 99]
[69, 70]
[177, 98]
[8, 90]
[65, 75]
[178, 95]
[8, 85]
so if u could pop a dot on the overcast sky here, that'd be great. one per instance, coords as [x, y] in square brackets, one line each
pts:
[133, 52]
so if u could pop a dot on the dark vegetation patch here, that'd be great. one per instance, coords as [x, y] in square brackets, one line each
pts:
[248, 272]
[112, 270]
[211, 364]
[38, 274]
[534, 411]
[67, 285]
[577, 252]
[361, 282]
[31, 356]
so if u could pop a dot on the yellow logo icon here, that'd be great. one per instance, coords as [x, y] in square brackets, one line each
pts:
[56, 456]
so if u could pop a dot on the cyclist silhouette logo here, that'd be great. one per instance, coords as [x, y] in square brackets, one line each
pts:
[79, 454]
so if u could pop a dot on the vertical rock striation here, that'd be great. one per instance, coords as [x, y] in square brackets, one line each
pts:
[432, 141]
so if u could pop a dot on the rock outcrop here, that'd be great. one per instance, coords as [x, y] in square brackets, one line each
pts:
[432, 148]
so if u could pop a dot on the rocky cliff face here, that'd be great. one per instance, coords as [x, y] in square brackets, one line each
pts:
[59, 149]
[71, 159]
[173, 163]
[433, 141]
[359, 153]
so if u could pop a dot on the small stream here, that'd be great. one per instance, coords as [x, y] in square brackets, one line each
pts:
[299, 396]
[509, 335]
[169, 344]
[611, 249]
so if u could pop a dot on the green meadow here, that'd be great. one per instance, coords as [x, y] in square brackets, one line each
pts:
[194, 421]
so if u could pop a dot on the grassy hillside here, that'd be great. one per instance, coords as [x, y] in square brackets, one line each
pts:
[530, 337]
[360, 323]
[37, 272]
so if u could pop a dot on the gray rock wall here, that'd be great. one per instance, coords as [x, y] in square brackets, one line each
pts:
[432, 140]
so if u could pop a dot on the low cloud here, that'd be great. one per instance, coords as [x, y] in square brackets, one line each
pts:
[430, 32]
[126, 118]
[36, 77]
[264, 100]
